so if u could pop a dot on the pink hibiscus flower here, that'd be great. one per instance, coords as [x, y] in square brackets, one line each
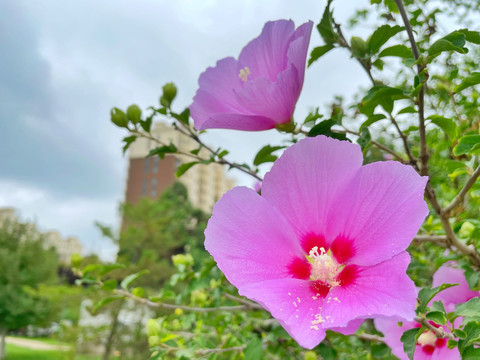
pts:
[261, 88]
[429, 347]
[324, 246]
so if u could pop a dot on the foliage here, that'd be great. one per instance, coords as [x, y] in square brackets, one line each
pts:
[155, 230]
[422, 109]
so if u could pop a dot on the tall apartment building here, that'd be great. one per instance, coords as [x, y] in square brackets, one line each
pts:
[150, 176]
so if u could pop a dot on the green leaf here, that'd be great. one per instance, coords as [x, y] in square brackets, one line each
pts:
[460, 333]
[325, 27]
[254, 350]
[183, 168]
[134, 113]
[471, 80]
[103, 302]
[147, 123]
[452, 42]
[162, 150]
[425, 295]
[381, 95]
[409, 340]
[105, 269]
[470, 310]
[472, 329]
[408, 110]
[364, 140]
[128, 140]
[401, 51]
[183, 117]
[471, 36]
[472, 277]
[318, 52]
[109, 284]
[467, 144]
[372, 119]
[381, 36]
[131, 278]
[447, 125]
[471, 353]
[323, 128]
[265, 154]
[437, 317]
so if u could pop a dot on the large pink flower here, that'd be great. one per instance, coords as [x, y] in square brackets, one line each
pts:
[261, 88]
[324, 246]
[428, 346]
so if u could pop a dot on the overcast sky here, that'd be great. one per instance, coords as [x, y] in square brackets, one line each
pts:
[64, 64]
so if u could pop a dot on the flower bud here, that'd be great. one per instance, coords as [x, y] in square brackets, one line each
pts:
[169, 93]
[118, 117]
[134, 113]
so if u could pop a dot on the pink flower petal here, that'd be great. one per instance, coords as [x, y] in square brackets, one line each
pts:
[350, 329]
[297, 51]
[291, 302]
[266, 55]
[444, 353]
[274, 100]
[381, 211]
[456, 294]
[305, 180]
[249, 239]
[380, 290]
[392, 334]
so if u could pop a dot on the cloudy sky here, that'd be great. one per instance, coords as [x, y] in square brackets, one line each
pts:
[64, 64]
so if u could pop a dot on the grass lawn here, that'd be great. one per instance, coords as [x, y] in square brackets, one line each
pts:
[21, 353]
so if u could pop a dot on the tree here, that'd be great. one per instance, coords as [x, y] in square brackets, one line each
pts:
[154, 230]
[24, 264]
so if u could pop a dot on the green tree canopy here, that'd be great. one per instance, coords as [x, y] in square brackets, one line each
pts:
[24, 264]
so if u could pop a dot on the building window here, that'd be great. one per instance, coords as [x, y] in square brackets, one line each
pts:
[144, 187]
[153, 188]
[155, 164]
[146, 165]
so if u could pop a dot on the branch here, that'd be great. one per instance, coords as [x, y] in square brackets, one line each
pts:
[204, 352]
[439, 332]
[461, 195]
[370, 337]
[153, 304]
[421, 95]
[377, 144]
[438, 239]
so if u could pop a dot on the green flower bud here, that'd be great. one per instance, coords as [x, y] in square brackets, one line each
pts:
[358, 45]
[134, 113]
[169, 94]
[118, 117]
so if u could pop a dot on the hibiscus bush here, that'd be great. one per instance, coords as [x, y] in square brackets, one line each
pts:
[361, 240]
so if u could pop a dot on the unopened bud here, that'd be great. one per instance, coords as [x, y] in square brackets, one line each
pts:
[118, 117]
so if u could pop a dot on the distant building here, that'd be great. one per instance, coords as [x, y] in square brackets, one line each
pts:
[65, 247]
[150, 176]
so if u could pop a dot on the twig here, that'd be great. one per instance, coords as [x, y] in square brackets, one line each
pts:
[421, 103]
[439, 332]
[204, 352]
[412, 159]
[370, 337]
[437, 239]
[240, 300]
[153, 304]
[377, 144]
[461, 195]
[344, 43]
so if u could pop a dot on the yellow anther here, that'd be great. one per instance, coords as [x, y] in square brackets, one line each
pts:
[243, 75]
